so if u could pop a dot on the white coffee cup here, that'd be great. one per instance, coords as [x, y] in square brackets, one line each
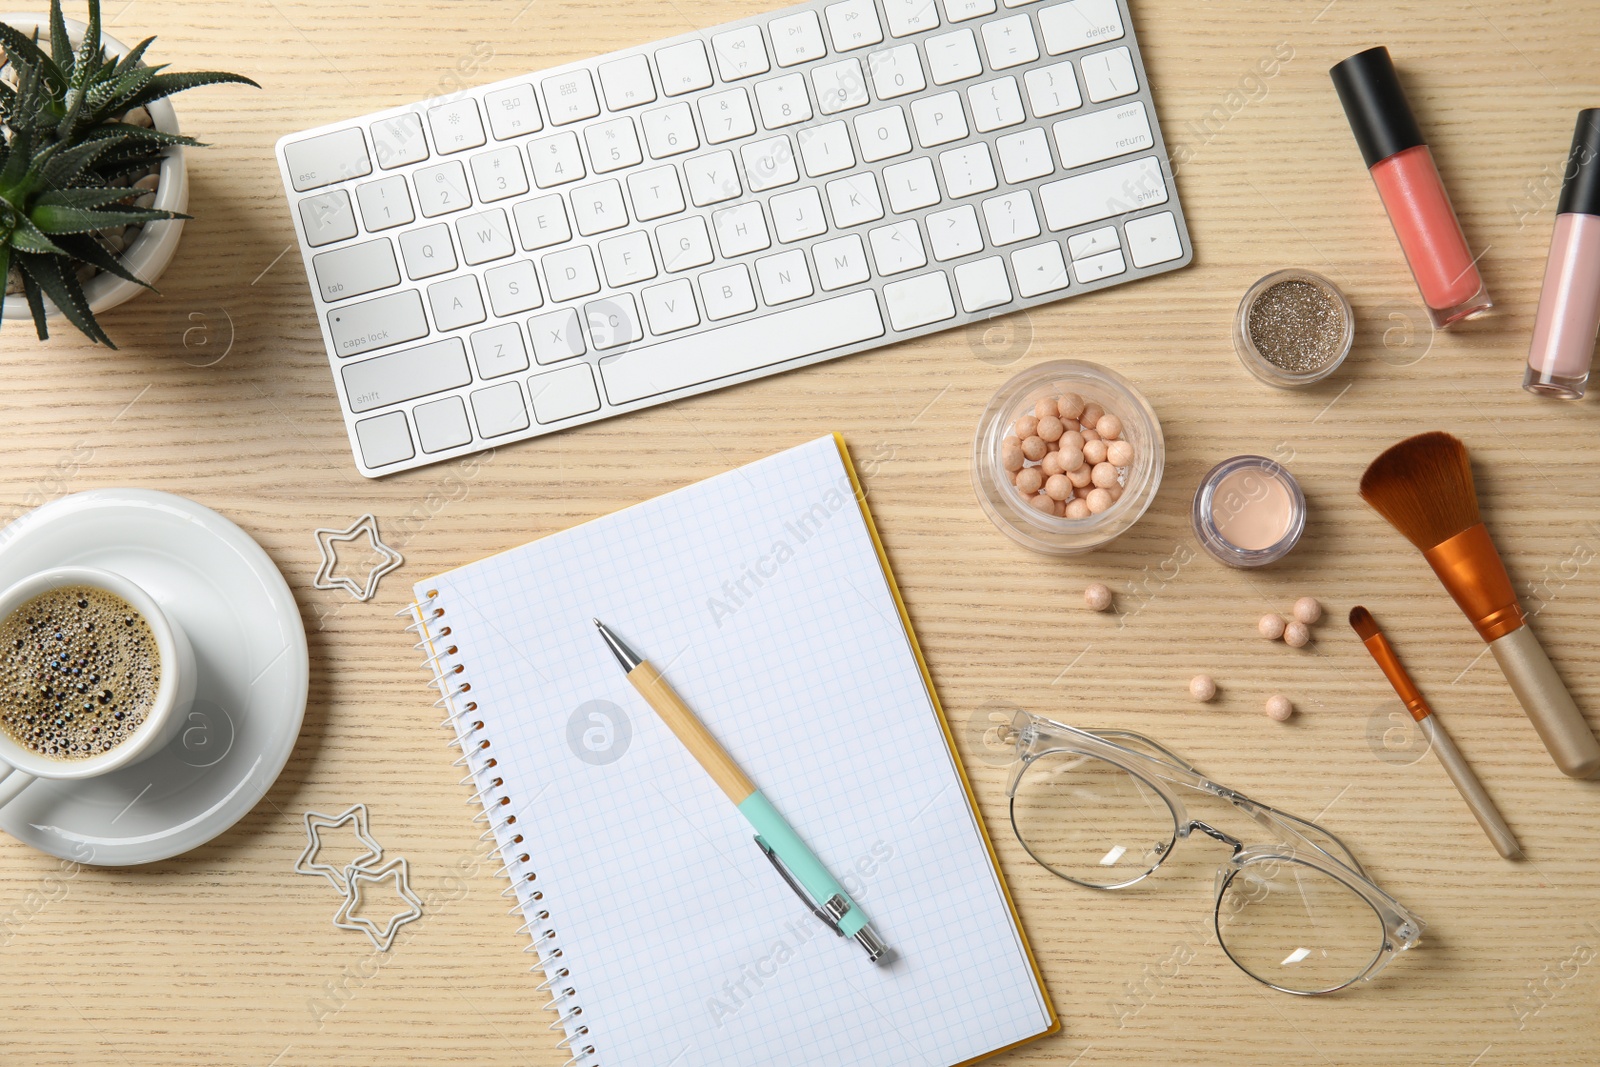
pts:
[174, 691]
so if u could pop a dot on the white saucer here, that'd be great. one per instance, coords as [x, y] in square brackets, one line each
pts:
[250, 653]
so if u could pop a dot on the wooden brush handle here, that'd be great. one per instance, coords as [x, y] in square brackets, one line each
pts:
[1545, 698]
[1471, 790]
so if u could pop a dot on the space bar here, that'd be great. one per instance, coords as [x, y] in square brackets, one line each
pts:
[744, 346]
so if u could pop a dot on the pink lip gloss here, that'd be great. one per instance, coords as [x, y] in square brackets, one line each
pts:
[1408, 183]
[1569, 304]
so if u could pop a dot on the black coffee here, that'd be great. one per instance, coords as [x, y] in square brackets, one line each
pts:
[79, 671]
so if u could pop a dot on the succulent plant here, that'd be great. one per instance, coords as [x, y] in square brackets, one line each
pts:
[67, 158]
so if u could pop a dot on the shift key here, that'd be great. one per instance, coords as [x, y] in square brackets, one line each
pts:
[400, 376]
[381, 323]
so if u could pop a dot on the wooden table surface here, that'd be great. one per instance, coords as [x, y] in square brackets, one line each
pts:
[222, 393]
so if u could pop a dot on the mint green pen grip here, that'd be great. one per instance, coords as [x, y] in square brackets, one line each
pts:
[802, 863]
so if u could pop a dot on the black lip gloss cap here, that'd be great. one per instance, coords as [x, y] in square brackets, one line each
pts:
[1580, 191]
[1375, 105]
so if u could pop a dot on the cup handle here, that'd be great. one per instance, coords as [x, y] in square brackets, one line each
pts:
[12, 782]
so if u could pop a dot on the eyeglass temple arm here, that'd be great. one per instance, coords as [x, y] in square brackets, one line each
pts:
[1129, 735]
[1349, 858]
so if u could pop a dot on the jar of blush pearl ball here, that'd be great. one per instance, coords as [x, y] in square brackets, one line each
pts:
[1090, 441]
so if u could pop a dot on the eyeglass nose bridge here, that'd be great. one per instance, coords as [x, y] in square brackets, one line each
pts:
[1212, 832]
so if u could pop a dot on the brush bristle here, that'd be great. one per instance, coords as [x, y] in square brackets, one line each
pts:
[1362, 622]
[1423, 486]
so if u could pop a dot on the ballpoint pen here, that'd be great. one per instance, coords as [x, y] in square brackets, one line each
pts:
[799, 867]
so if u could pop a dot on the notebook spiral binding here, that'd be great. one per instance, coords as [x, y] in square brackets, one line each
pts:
[496, 815]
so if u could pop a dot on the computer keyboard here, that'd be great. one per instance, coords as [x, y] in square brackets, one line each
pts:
[573, 244]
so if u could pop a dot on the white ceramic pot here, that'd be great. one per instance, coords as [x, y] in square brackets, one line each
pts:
[157, 243]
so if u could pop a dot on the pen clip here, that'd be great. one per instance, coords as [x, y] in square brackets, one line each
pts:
[799, 890]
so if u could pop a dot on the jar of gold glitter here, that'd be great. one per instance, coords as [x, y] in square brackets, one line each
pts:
[1294, 328]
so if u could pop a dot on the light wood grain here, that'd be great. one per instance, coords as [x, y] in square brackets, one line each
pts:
[222, 393]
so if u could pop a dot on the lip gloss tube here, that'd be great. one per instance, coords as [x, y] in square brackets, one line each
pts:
[1408, 183]
[1569, 304]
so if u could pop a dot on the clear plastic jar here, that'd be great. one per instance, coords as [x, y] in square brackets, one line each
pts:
[1311, 334]
[1006, 506]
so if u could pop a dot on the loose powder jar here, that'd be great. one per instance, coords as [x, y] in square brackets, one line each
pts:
[1249, 511]
[1294, 328]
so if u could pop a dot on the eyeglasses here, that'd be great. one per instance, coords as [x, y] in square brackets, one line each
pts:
[1101, 808]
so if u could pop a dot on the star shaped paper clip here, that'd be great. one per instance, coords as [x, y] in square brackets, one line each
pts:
[382, 936]
[327, 541]
[316, 822]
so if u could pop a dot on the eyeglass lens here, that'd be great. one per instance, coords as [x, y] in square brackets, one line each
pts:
[1090, 821]
[1297, 928]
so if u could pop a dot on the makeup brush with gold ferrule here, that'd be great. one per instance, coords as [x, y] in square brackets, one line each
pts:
[1423, 486]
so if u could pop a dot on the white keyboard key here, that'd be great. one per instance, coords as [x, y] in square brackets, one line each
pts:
[953, 57]
[825, 149]
[332, 157]
[612, 145]
[897, 248]
[498, 351]
[1153, 239]
[1009, 42]
[740, 53]
[556, 160]
[613, 321]
[740, 230]
[954, 233]
[839, 86]
[1079, 24]
[456, 302]
[919, 301]
[797, 38]
[569, 274]
[1108, 75]
[769, 164]
[398, 140]
[570, 97]
[727, 292]
[683, 68]
[327, 217]
[911, 185]
[741, 347]
[356, 269]
[670, 307]
[784, 277]
[897, 71]
[513, 288]
[499, 410]
[726, 116]
[939, 119]
[512, 112]
[854, 200]
[962, 10]
[1019, 3]
[456, 126]
[627, 259]
[563, 394]
[542, 222]
[626, 83]
[655, 193]
[783, 101]
[499, 174]
[1052, 89]
[428, 251]
[1103, 193]
[1011, 218]
[684, 244]
[967, 170]
[598, 208]
[797, 215]
[406, 375]
[1024, 156]
[556, 336]
[442, 189]
[983, 284]
[442, 424]
[1103, 134]
[670, 130]
[853, 24]
[373, 324]
[1094, 268]
[995, 104]
[385, 439]
[485, 236]
[712, 178]
[883, 134]
[1039, 269]
[1084, 245]
[841, 262]
[910, 16]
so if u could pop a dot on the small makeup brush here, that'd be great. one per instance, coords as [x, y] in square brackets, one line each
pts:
[1423, 486]
[1455, 764]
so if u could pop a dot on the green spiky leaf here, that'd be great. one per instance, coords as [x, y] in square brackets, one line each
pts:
[89, 197]
[5, 273]
[27, 237]
[54, 219]
[24, 49]
[88, 250]
[56, 280]
[30, 292]
[164, 85]
[60, 42]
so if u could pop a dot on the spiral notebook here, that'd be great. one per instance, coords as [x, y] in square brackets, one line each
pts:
[664, 935]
